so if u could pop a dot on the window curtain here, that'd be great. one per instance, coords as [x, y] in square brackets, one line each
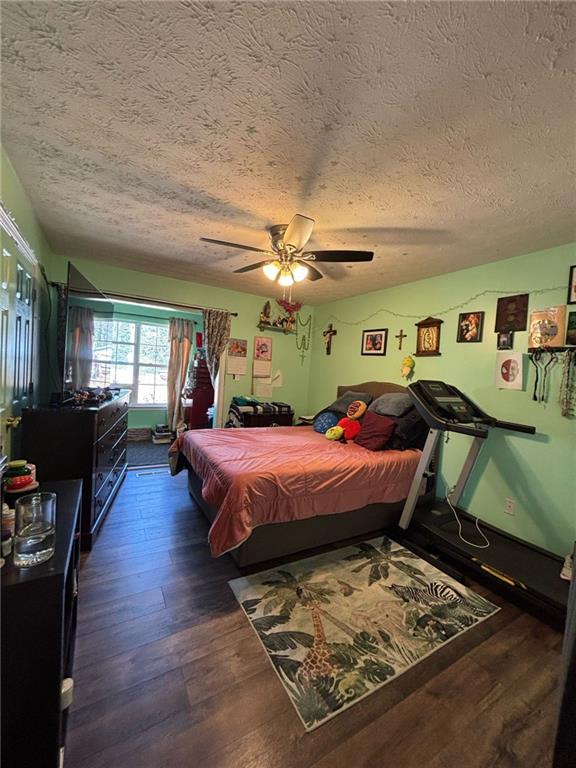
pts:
[81, 330]
[216, 335]
[181, 335]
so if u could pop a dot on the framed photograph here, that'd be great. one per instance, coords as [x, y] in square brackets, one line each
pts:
[374, 342]
[572, 285]
[505, 340]
[512, 313]
[470, 327]
[571, 329]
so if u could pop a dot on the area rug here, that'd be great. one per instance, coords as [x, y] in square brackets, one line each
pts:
[340, 625]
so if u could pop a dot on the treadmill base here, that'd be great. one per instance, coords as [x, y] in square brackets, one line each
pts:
[524, 573]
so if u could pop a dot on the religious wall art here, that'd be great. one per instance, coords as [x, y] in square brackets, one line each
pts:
[509, 371]
[547, 327]
[470, 327]
[327, 334]
[505, 340]
[512, 313]
[572, 285]
[571, 329]
[428, 337]
[374, 342]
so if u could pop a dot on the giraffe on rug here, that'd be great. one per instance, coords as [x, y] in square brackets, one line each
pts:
[317, 660]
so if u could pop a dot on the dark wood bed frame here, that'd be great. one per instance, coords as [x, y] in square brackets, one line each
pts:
[277, 540]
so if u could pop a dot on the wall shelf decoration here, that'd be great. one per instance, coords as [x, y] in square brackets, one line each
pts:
[276, 329]
[428, 337]
[284, 323]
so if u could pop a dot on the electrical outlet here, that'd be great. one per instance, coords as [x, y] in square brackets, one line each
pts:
[510, 507]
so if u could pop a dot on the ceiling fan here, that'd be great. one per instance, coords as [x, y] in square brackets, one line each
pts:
[286, 261]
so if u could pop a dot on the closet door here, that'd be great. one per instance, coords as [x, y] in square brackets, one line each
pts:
[18, 323]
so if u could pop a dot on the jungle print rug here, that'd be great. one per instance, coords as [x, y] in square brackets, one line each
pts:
[340, 625]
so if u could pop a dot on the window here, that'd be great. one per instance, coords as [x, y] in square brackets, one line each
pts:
[132, 355]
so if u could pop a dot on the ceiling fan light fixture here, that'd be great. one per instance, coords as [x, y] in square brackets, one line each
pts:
[286, 279]
[299, 272]
[271, 269]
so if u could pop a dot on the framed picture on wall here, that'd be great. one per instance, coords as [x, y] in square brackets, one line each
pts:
[374, 342]
[571, 329]
[572, 285]
[470, 327]
[505, 340]
[512, 313]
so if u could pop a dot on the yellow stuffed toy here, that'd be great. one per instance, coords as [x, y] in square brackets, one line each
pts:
[334, 433]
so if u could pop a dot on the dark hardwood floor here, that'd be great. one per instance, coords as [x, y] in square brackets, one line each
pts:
[169, 674]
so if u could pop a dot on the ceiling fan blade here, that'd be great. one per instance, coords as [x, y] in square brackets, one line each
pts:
[340, 256]
[313, 273]
[298, 232]
[250, 267]
[234, 245]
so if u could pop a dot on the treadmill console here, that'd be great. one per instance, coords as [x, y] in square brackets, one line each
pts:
[443, 407]
[447, 402]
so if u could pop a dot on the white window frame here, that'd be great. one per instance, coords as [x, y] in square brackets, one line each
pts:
[136, 365]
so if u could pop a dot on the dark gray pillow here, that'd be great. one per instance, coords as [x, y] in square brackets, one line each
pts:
[394, 404]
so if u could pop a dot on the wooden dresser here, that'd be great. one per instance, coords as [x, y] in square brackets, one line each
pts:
[38, 631]
[86, 443]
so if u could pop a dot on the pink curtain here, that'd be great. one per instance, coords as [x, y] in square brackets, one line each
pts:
[181, 335]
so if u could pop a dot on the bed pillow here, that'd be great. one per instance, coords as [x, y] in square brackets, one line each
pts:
[376, 431]
[325, 421]
[411, 432]
[391, 404]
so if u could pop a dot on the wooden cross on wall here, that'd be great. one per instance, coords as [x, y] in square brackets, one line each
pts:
[400, 336]
[328, 333]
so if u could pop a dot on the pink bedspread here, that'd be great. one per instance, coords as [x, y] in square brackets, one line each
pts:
[276, 474]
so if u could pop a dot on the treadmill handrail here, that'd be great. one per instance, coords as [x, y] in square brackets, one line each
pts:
[513, 427]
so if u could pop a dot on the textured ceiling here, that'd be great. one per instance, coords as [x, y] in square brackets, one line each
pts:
[440, 135]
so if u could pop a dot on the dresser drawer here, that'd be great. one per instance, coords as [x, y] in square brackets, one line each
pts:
[108, 451]
[109, 415]
[106, 487]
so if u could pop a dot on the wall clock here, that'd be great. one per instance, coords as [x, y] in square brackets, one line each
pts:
[428, 337]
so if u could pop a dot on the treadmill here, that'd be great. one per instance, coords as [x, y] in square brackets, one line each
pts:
[525, 573]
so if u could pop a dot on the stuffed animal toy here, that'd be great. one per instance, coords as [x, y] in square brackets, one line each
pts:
[408, 367]
[334, 433]
[351, 428]
[356, 409]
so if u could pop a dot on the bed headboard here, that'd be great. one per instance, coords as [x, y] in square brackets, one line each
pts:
[374, 388]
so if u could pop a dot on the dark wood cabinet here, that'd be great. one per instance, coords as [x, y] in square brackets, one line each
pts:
[86, 443]
[38, 631]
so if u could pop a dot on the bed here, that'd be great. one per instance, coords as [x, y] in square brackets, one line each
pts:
[277, 491]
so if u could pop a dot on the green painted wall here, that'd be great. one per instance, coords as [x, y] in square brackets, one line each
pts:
[17, 203]
[248, 306]
[539, 472]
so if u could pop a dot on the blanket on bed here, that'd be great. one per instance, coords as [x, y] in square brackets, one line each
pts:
[259, 476]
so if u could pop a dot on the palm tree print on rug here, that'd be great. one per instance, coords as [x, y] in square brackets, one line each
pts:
[340, 625]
